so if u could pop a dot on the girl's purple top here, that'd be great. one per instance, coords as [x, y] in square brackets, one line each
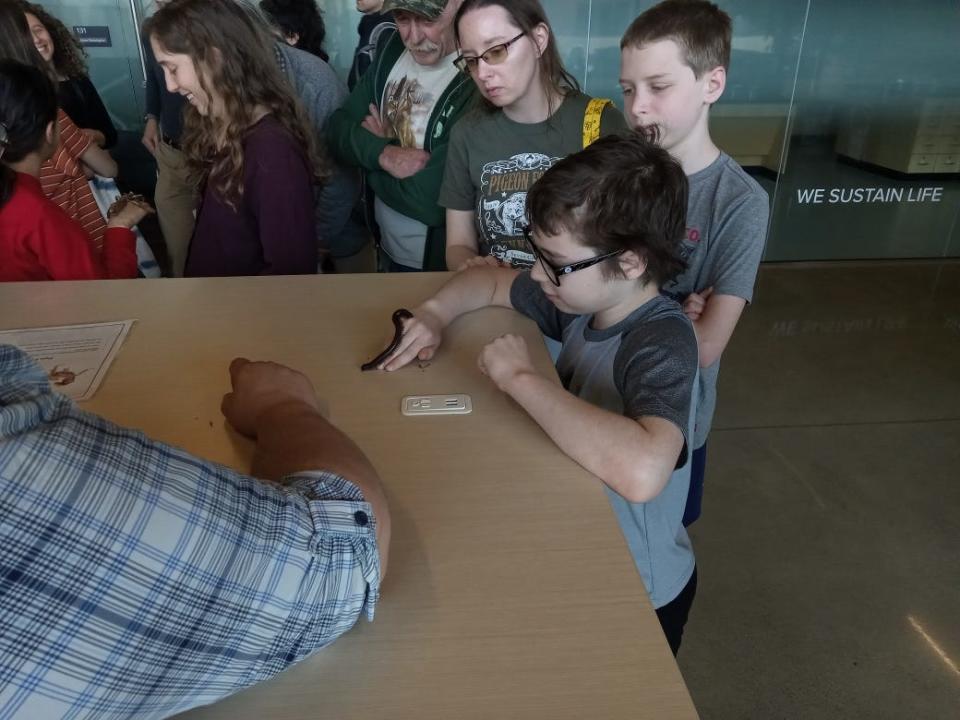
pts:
[272, 231]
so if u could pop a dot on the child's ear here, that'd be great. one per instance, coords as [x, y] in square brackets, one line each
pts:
[716, 82]
[50, 134]
[632, 265]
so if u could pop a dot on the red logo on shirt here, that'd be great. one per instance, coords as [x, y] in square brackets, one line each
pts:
[693, 235]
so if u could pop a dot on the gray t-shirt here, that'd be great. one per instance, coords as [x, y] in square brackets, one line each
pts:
[493, 161]
[726, 227]
[644, 366]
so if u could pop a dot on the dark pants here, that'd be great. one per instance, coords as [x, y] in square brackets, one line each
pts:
[673, 615]
[386, 264]
[698, 466]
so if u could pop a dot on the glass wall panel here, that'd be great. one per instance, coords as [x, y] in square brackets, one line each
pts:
[115, 68]
[341, 18]
[875, 141]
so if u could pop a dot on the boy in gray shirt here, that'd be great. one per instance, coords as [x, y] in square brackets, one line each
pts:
[605, 228]
[673, 66]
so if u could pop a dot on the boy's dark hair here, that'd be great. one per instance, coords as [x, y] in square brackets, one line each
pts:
[701, 30]
[28, 104]
[623, 192]
[302, 18]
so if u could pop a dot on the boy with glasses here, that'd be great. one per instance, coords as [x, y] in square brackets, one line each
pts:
[606, 226]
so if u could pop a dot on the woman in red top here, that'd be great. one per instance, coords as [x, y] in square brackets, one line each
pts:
[38, 241]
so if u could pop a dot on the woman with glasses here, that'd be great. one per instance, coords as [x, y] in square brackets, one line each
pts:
[533, 115]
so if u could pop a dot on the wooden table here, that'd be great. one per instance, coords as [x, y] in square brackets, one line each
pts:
[510, 593]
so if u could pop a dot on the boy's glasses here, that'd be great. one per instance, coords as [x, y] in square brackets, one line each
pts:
[491, 56]
[553, 272]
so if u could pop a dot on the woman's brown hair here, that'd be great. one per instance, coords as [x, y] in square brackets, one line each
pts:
[526, 15]
[16, 42]
[69, 57]
[232, 51]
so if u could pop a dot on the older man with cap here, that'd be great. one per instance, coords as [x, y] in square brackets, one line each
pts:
[396, 124]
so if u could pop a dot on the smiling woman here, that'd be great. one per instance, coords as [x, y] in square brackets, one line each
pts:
[245, 136]
[66, 57]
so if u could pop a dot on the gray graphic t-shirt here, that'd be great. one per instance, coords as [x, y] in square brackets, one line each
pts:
[644, 366]
[409, 98]
[493, 161]
[726, 227]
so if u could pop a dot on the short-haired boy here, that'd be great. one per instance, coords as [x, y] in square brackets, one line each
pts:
[673, 67]
[606, 226]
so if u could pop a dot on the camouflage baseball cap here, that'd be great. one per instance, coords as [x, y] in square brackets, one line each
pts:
[430, 9]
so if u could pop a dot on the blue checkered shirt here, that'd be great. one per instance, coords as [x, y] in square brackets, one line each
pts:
[137, 581]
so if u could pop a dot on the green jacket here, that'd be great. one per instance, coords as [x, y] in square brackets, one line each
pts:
[416, 196]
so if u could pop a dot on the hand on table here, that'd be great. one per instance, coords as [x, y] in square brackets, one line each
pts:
[505, 359]
[695, 303]
[421, 337]
[402, 162]
[262, 386]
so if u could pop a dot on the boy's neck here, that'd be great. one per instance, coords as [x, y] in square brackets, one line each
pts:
[30, 165]
[626, 304]
[697, 150]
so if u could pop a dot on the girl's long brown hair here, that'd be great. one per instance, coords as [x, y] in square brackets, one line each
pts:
[232, 51]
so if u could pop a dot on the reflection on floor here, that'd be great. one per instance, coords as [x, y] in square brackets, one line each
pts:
[829, 548]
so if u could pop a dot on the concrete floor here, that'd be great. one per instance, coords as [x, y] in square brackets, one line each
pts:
[829, 547]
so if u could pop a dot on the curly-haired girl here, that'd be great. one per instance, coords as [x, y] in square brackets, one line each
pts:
[78, 97]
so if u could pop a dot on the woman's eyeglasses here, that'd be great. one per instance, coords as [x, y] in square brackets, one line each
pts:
[553, 272]
[491, 56]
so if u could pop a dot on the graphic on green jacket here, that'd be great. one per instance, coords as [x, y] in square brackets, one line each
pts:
[502, 211]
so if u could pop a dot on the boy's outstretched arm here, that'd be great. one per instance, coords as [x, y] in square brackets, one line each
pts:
[469, 290]
[635, 458]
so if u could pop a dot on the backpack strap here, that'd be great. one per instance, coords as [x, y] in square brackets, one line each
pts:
[591, 119]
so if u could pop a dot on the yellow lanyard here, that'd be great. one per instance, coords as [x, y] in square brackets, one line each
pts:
[591, 119]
